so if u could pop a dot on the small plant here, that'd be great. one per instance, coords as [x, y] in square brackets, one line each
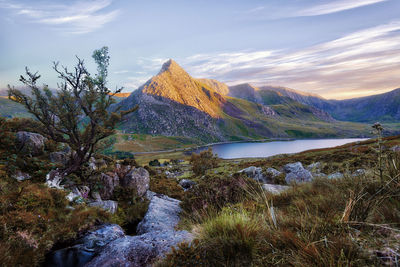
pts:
[203, 161]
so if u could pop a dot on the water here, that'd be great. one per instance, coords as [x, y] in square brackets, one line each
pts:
[267, 149]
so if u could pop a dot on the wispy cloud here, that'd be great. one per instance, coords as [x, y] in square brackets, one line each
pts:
[335, 6]
[78, 17]
[353, 65]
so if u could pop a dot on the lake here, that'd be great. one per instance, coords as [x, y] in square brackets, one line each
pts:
[267, 149]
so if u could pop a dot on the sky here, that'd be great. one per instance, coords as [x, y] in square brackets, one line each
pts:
[338, 49]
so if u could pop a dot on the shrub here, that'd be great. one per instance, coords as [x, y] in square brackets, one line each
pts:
[203, 161]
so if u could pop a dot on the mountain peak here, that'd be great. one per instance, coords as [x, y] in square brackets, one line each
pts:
[171, 66]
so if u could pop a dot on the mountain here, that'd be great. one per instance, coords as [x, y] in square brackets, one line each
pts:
[173, 103]
[381, 107]
[278, 96]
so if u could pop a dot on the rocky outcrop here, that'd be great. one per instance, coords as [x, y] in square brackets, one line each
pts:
[84, 249]
[108, 183]
[272, 173]
[30, 143]
[296, 173]
[275, 188]
[336, 175]
[156, 237]
[254, 173]
[137, 179]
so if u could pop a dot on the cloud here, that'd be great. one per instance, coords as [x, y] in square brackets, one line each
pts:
[78, 17]
[352, 65]
[335, 6]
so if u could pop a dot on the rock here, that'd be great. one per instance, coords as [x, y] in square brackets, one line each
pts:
[156, 236]
[59, 157]
[139, 251]
[395, 148]
[336, 175]
[96, 196]
[186, 184]
[78, 194]
[137, 179]
[162, 214]
[30, 143]
[86, 248]
[21, 176]
[275, 188]
[122, 170]
[54, 179]
[108, 183]
[296, 173]
[319, 175]
[108, 205]
[254, 173]
[314, 167]
[359, 172]
[169, 174]
[273, 172]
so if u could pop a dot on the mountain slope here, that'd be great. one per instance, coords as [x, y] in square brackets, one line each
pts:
[173, 103]
[382, 107]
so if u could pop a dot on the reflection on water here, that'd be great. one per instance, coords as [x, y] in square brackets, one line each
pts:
[255, 150]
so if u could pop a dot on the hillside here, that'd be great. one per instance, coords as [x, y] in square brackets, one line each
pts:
[381, 107]
[11, 109]
[172, 103]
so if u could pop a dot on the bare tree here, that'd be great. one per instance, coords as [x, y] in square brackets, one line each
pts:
[78, 114]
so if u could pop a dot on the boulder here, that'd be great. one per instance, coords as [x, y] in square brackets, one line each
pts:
[84, 249]
[108, 183]
[336, 175]
[186, 184]
[272, 172]
[139, 251]
[296, 173]
[137, 179]
[162, 214]
[275, 188]
[54, 179]
[314, 167]
[254, 173]
[21, 176]
[30, 143]
[156, 236]
[108, 205]
[59, 157]
[78, 194]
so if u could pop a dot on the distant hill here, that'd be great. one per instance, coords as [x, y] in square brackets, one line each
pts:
[381, 107]
[10, 109]
[173, 103]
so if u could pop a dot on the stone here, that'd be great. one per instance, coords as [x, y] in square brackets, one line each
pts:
[30, 143]
[186, 184]
[162, 214]
[273, 172]
[156, 236]
[314, 167]
[137, 179]
[254, 173]
[59, 157]
[139, 251]
[108, 183]
[78, 194]
[296, 173]
[21, 176]
[336, 175]
[54, 179]
[92, 163]
[275, 188]
[108, 205]
[84, 249]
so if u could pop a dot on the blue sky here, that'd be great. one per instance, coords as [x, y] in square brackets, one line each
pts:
[338, 48]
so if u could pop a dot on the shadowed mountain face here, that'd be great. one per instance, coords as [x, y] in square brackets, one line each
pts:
[173, 103]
